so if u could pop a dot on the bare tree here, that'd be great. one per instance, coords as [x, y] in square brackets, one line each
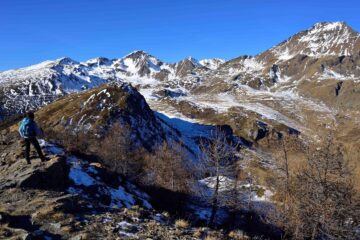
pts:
[281, 180]
[167, 167]
[117, 151]
[286, 145]
[218, 158]
[321, 199]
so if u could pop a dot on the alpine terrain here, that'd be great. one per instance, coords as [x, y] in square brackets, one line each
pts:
[262, 147]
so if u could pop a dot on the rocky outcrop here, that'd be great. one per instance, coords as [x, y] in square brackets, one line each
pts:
[50, 200]
[50, 175]
[96, 110]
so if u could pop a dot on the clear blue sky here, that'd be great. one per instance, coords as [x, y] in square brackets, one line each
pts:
[36, 30]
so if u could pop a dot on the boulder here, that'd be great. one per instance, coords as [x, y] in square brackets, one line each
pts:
[50, 175]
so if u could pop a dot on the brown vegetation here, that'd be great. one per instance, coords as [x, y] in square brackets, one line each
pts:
[167, 168]
[117, 152]
[318, 200]
[181, 223]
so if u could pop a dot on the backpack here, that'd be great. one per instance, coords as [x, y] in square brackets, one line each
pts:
[27, 128]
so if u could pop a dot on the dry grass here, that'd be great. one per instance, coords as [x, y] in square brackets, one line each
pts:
[181, 223]
[72, 107]
[197, 233]
[238, 235]
[210, 237]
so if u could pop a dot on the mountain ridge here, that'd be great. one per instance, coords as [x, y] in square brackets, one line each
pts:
[272, 88]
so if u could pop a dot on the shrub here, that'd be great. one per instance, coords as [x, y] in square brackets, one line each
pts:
[166, 168]
[118, 152]
[321, 201]
[181, 223]
[260, 191]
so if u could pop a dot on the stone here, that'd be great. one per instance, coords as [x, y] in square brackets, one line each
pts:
[51, 175]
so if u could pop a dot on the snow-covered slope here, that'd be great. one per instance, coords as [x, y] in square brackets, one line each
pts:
[323, 39]
[212, 63]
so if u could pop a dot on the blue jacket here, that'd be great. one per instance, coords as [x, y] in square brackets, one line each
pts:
[28, 128]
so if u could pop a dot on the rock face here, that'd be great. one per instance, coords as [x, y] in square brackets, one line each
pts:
[51, 175]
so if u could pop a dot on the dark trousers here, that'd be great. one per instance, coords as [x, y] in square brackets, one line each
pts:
[35, 143]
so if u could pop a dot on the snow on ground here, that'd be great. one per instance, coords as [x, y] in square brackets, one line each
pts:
[252, 65]
[254, 196]
[79, 177]
[330, 74]
[121, 196]
[284, 55]
[248, 65]
[51, 147]
[213, 63]
[222, 102]
[227, 184]
[190, 131]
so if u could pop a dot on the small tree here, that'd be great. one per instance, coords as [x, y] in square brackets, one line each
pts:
[321, 201]
[217, 159]
[285, 215]
[117, 151]
[167, 168]
[235, 199]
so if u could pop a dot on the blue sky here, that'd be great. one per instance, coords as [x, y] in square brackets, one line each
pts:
[36, 30]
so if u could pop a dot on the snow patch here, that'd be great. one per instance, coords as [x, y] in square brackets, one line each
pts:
[212, 63]
[80, 177]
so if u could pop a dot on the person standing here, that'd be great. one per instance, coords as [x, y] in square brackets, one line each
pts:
[28, 131]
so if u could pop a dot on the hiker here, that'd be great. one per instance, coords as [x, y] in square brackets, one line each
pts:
[28, 131]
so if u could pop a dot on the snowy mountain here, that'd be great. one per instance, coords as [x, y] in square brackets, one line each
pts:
[323, 39]
[213, 63]
[311, 78]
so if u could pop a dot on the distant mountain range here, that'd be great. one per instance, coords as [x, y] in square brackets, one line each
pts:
[309, 82]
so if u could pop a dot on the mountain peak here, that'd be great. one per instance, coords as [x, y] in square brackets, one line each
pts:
[65, 61]
[98, 61]
[322, 39]
[336, 28]
[137, 54]
[193, 60]
[330, 26]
